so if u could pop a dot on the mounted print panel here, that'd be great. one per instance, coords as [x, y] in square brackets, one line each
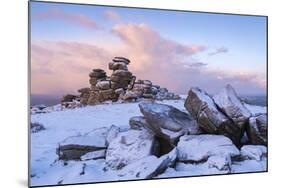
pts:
[120, 93]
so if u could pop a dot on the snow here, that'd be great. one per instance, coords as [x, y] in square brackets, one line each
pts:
[201, 147]
[61, 123]
[95, 138]
[129, 147]
[256, 110]
[93, 155]
[249, 166]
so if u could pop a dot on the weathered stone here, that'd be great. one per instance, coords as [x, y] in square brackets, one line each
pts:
[148, 167]
[257, 130]
[94, 98]
[129, 147]
[97, 73]
[117, 66]
[103, 85]
[122, 73]
[108, 95]
[138, 123]
[68, 98]
[202, 107]
[200, 147]
[84, 90]
[168, 122]
[253, 152]
[228, 102]
[72, 148]
[112, 134]
[131, 95]
[119, 84]
[121, 59]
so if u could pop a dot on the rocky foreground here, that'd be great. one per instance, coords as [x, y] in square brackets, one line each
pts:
[202, 135]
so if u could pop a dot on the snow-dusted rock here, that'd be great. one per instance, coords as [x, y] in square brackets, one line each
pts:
[168, 122]
[257, 130]
[112, 133]
[148, 167]
[103, 84]
[202, 107]
[200, 147]
[138, 122]
[36, 127]
[253, 152]
[93, 155]
[221, 162]
[129, 147]
[72, 148]
[228, 101]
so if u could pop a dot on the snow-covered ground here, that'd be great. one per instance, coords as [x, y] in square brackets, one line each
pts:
[47, 170]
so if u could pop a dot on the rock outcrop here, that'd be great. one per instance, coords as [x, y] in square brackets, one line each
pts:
[211, 119]
[148, 167]
[72, 148]
[228, 102]
[120, 85]
[257, 130]
[168, 122]
[198, 148]
[129, 147]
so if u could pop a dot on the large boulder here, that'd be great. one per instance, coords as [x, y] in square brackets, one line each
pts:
[229, 103]
[254, 152]
[117, 66]
[198, 148]
[257, 130]
[72, 148]
[168, 122]
[202, 107]
[148, 167]
[68, 98]
[129, 147]
[121, 59]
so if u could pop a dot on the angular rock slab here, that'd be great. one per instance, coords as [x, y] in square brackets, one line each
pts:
[253, 152]
[129, 147]
[228, 102]
[257, 130]
[168, 122]
[72, 148]
[148, 167]
[196, 148]
[202, 107]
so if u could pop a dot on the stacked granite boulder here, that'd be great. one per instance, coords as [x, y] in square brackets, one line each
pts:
[120, 85]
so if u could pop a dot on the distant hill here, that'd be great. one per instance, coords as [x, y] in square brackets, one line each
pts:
[255, 100]
[47, 100]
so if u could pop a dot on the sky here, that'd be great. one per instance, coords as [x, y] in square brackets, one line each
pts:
[174, 49]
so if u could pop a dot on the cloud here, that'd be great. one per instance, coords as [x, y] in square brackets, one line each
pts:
[164, 61]
[74, 18]
[219, 51]
[111, 15]
[63, 67]
[198, 64]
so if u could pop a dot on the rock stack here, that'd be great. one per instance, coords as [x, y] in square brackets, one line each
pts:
[120, 85]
